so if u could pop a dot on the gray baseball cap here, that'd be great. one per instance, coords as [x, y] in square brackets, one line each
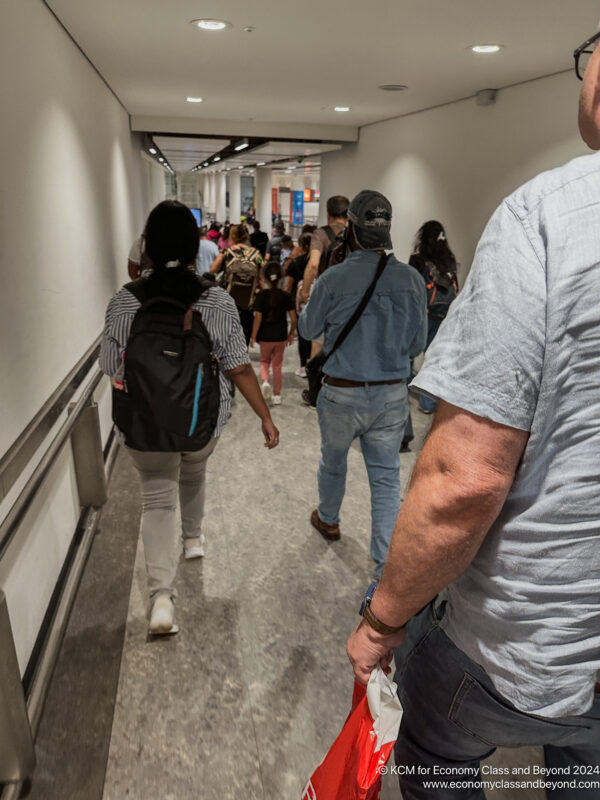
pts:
[371, 214]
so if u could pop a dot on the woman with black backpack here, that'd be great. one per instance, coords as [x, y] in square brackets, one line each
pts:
[435, 261]
[171, 341]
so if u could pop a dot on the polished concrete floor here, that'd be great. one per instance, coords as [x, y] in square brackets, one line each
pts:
[244, 702]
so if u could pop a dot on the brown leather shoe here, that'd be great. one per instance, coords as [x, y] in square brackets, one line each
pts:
[330, 532]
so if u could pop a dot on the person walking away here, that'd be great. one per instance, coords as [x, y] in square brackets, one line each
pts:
[271, 309]
[364, 395]
[200, 320]
[207, 252]
[274, 244]
[224, 241]
[498, 539]
[259, 239]
[241, 265]
[435, 262]
[294, 275]
[214, 232]
[287, 245]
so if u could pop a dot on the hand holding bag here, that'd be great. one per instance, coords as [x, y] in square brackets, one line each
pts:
[352, 768]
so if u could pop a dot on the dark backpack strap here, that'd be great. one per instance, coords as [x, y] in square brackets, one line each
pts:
[330, 234]
[361, 306]
[138, 289]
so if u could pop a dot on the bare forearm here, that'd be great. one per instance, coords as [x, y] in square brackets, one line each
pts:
[454, 497]
[245, 380]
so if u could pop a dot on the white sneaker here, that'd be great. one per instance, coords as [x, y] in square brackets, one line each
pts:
[162, 617]
[277, 400]
[267, 392]
[300, 372]
[194, 548]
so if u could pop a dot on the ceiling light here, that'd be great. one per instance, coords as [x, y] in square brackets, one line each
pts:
[485, 48]
[261, 164]
[242, 145]
[342, 108]
[152, 150]
[211, 24]
[393, 87]
[160, 158]
[205, 164]
[216, 158]
[195, 99]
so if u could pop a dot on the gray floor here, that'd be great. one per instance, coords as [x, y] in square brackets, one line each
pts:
[246, 699]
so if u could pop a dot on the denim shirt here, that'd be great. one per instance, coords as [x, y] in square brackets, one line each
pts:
[391, 330]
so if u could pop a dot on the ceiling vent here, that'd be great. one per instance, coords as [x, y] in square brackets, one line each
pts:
[393, 87]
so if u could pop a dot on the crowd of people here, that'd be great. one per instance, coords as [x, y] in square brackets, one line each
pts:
[486, 579]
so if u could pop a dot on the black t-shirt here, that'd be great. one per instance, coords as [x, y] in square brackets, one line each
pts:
[259, 240]
[295, 271]
[273, 327]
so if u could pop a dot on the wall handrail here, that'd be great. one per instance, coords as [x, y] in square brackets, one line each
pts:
[20, 453]
[10, 524]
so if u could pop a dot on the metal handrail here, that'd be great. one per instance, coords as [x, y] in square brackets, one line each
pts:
[22, 450]
[11, 523]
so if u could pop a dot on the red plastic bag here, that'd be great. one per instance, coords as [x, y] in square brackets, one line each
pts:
[351, 770]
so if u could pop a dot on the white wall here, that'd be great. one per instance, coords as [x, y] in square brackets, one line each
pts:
[74, 197]
[456, 163]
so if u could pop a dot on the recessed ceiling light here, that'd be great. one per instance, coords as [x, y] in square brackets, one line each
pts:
[211, 24]
[261, 164]
[393, 87]
[485, 48]
[205, 164]
[152, 150]
[342, 108]
[216, 158]
[160, 158]
[242, 145]
[195, 99]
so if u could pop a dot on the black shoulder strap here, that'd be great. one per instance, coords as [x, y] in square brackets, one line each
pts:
[330, 234]
[361, 306]
[137, 289]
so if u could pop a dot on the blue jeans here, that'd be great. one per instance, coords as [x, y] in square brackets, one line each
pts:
[377, 416]
[454, 717]
[433, 325]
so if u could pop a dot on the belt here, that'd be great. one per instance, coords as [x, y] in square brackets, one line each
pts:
[348, 384]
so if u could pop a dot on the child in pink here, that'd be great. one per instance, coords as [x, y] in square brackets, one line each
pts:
[271, 309]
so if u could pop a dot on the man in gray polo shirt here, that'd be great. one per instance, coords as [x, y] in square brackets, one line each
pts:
[499, 535]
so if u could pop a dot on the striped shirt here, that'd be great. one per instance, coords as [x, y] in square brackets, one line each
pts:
[222, 321]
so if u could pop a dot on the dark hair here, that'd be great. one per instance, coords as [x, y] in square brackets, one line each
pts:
[287, 239]
[304, 241]
[278, 225]
[171, 234]
[308, 228]
[225, 231]
[215, 226]
[273, 275]
[202, 231]
[256, 224]
[431, 243]
[337, 206]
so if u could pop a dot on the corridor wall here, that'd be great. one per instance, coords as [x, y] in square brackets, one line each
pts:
[75, 192]
[457, 162]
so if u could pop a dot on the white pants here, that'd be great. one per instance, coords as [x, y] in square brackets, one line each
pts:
[164, 476]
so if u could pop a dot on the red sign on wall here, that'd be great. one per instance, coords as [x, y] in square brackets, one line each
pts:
[275, 200]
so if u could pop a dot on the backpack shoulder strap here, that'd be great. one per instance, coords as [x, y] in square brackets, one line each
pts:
[330, 234]
[137, 289]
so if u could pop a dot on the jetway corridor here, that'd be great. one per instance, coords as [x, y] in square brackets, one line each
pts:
[246, 699]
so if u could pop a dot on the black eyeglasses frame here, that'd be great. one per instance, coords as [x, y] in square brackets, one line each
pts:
[583, 48]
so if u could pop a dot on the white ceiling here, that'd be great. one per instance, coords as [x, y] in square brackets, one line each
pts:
[303, 58]
[184, 153]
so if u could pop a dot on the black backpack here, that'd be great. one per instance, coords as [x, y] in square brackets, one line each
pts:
[328, 257]
[169, 398]
[442, 289]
